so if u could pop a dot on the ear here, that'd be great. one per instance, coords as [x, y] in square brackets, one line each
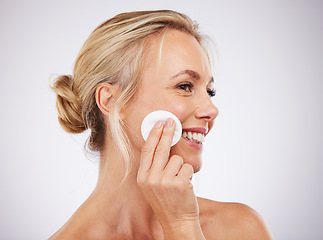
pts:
[105, 95]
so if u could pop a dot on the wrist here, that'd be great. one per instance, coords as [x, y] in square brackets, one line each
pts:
[184, 230]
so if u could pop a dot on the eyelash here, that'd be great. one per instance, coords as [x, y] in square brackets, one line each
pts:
[211, 92]
[184, 87]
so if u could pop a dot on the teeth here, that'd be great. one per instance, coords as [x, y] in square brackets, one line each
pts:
[196, 137]
[199, 137]
[189, 135]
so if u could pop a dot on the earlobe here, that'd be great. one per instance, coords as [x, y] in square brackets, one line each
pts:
[104, 97]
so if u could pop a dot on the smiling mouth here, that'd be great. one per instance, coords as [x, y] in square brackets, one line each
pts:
[194, 136]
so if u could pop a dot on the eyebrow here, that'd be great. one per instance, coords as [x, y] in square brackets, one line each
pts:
[192, 74]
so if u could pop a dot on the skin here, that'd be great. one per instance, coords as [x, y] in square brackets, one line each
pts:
[157, 200]
[159, 89]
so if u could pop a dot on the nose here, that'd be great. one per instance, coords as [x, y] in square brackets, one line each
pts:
[206, 110]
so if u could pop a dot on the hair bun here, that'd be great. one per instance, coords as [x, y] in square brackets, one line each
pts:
[68, 105]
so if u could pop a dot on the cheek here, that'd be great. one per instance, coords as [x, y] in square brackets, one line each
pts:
[181, 110]
[180, 107]
[145, 103]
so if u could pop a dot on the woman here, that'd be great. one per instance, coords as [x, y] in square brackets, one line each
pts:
[131, 65]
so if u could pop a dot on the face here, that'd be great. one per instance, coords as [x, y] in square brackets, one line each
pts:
[177, 78]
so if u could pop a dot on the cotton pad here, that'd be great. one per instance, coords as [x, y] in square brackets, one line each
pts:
[151, 119]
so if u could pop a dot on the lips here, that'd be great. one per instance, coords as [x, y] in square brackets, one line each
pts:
[194, 136]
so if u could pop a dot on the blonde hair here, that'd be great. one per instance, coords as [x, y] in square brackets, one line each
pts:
[113, 53]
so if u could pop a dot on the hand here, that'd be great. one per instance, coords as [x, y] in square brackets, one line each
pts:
[166, 181]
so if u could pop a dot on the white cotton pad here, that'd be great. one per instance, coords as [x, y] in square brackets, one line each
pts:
[150, 120]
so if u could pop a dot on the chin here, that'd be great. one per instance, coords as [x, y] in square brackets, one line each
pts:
[189, 156]
[195, 162]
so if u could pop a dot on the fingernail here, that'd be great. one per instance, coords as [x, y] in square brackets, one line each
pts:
[169, 122]
[158, 124]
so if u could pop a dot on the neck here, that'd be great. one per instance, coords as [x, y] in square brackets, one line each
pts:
[122, 204]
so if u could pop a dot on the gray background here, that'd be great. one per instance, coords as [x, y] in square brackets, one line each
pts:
[266, 146]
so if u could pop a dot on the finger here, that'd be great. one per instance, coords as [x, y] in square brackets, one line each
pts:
[162, 151]
[173, 166]
[186, 171]
[149, 147]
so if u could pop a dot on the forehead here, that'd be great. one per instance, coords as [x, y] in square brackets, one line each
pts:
[172, 52]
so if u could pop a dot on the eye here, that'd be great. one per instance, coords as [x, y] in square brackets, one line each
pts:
[187, 87]
[211, 92]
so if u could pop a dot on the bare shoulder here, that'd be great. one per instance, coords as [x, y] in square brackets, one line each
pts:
[220, 220]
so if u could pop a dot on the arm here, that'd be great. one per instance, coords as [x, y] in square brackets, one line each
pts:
[252, 225]
[236, 221]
